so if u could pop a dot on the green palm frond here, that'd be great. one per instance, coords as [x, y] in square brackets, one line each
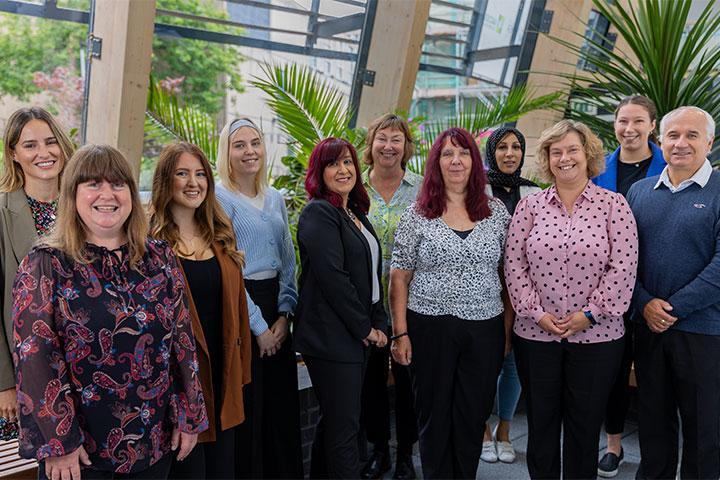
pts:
[308, 108]
[676, 64]
[487, 113]
[168, 119]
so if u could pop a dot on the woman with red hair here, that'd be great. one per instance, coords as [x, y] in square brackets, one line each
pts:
[448, 304]
[340, 312]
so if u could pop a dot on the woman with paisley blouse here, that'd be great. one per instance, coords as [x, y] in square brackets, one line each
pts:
[447, 303]
[36, 149]
[107, 375]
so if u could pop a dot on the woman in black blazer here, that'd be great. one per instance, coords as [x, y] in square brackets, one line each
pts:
[340, 312]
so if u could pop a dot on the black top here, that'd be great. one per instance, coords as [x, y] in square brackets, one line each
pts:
[205, 281]
[510, 199]
[335, 310]
[463, 233]
[629, 173]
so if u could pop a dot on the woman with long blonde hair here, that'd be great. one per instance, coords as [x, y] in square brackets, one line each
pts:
[186, 215]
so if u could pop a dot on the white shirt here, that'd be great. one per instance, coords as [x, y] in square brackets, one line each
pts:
[700, 177]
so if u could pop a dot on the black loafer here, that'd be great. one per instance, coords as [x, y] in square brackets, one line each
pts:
[404, 469]
[376, 466]
[609, 463]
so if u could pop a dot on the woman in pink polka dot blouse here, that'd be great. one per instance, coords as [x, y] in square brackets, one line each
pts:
[570, 267]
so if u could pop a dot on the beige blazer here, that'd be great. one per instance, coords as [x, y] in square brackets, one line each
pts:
[17, 237]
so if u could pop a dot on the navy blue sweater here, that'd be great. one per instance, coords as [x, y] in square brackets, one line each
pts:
[679, 252]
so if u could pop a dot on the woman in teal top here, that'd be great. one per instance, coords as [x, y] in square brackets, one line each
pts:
[391, 188]
[270, 447]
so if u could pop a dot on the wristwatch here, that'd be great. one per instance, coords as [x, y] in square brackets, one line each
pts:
[590, 317]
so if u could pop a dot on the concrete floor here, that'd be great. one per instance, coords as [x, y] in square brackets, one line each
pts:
[518, 470]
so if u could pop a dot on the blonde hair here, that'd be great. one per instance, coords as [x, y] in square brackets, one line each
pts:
[11, 176]
[224, 169]
[394, 122]
[96, 162]
[212, 220]
[592, 146]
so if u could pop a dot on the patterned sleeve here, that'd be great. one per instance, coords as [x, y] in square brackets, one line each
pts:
[612, 297]
[523, 294]
[287, 299]
[46, 402]
[407, 240]
[189, 412]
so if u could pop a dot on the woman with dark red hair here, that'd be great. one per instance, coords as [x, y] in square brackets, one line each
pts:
[448, 304]
[340, 312]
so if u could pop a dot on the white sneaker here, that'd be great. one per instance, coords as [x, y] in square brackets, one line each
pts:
[489, 454]
[505, 452]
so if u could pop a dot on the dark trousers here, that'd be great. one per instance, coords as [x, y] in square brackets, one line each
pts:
[678, 371]
[269, 439]
[619, 400]
[158, 471]
[454, 369]
[375, 412]
[338, 387]
[566, 387]
[211, 460]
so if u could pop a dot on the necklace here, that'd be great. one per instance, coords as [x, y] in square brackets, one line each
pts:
[350, 214]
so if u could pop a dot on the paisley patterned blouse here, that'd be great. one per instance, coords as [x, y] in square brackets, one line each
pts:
[105, 357]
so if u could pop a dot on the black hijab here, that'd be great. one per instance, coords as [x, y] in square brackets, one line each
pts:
[496, 178]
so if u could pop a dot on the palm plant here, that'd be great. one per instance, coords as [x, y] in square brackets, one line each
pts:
[674, 64]
[486, 113]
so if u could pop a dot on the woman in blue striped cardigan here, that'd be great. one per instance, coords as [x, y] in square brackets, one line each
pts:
[257, 211]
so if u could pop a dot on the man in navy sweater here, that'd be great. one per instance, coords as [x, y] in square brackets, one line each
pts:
[677, 302]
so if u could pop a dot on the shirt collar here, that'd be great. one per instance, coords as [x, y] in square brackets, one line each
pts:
[410, 178]
[588, 192]
[701, 177]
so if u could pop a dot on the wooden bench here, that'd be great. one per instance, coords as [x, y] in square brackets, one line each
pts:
[13, 467]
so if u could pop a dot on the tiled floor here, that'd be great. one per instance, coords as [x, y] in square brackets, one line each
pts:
[518, 469]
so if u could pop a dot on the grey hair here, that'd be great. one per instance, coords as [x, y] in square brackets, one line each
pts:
[709, 121]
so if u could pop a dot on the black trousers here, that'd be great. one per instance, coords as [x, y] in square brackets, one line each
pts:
[338, 387]
[159, 471]
[375, 412]
[208, 460]
[678, 371]
[454, 369]
[566, 387]
[268, 442]
[619, 400]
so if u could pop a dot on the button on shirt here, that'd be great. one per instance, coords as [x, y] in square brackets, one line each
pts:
[700, 177]
[562, 263]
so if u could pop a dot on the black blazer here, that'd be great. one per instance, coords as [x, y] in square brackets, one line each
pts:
[335, 311]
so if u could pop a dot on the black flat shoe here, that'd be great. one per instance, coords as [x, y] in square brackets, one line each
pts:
[376, 466]
[404, 469]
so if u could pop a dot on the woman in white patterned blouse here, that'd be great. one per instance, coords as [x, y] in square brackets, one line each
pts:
[447, 303]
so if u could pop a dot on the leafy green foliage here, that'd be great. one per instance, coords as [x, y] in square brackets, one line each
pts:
[485, 114]
[678, 65]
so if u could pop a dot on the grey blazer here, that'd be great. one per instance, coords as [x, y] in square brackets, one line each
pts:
[17, 237]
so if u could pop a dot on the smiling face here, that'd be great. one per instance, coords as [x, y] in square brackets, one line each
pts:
[38, 152]
[339, 175]
[103, 208]
[388, 148]
[508, 154]
[633, 127]
[685, 142]
[190, 182]
[455, 164]
[568, 162]
[247, 153]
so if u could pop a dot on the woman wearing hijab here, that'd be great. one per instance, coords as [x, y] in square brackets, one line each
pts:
[505, 154]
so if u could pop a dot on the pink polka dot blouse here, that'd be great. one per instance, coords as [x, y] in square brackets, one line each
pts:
[562, 263]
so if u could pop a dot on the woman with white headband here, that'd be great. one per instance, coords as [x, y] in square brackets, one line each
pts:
[271, 431]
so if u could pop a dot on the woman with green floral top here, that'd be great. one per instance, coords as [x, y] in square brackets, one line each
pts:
[391, 188]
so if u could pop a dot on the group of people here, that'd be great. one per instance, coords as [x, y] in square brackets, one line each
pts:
[136, 333]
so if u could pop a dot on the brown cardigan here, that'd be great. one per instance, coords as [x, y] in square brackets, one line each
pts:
[236, 348]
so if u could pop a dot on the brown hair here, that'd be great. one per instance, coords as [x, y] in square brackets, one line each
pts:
[12, 177]
[592, 147]
[392, 121]
[96, 162]
[213, 222]
[649, 107]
